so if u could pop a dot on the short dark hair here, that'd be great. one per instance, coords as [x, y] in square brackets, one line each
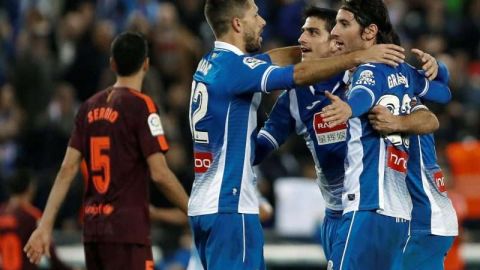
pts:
[325, 14]
[19, 182]
[368, 12]
[129, 50]
[220, 12]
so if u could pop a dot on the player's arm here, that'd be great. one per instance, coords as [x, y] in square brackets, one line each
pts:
[420, 121]
[168, 215]
[276, 129]
[40, 240]
[267, 77]
[166, 181]
[285, 56]
[308, 72]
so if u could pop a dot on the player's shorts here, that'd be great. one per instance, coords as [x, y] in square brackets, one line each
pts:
[368, 240]
[229, 241]
[426, 252]
[118, 256]
[328, 233]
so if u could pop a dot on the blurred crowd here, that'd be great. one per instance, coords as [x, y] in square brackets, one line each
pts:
[54, 55]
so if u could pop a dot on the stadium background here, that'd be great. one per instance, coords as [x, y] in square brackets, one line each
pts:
[54, 55]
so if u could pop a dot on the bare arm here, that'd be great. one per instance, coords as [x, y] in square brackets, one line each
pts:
[308, 72]
[167, 182]
[419, 122]
[168, 215]
[286, 55]
[40, 240]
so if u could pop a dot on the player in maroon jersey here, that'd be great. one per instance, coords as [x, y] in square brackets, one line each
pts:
[18, 219]
[119, 142]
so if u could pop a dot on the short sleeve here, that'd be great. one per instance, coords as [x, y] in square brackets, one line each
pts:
[248, 74]
[369, 79]
[78, 134]
[149, 131]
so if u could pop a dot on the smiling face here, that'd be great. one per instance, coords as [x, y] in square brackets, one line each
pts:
[315, 39]
[253, 28]
[347, 32]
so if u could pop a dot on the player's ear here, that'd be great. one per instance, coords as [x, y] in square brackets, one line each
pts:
[236, 24]
[370, 32]
[113, 65]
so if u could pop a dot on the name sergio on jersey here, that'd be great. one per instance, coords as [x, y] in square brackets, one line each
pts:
[102, 113]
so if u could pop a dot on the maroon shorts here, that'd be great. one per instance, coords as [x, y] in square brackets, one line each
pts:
[116, 256]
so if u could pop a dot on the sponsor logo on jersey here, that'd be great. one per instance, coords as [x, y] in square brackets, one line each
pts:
[253, 62]
[98, 209]
[155, 124]
[202, 161]
[366, 78]
[326, 134]
[397, 159]
[440, 181]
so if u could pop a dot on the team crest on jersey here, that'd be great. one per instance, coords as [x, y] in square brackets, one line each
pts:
[155, 124]
[366, 78]
[253, 62]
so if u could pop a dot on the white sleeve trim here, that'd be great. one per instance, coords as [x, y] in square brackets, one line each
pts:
[427, 86]
[269, 138]
[368, 90]
[265, 76]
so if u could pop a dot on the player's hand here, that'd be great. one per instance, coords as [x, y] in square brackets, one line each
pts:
[389, 54]
[38, 245]
[383, 121]
[429, 63]
[336, 113]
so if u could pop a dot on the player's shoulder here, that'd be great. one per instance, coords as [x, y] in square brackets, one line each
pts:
[136, 100]
[32, 211]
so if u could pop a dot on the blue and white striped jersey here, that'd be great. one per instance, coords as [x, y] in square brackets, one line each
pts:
[226, 92]
[376, 166]
[298, 110]
[432, 212]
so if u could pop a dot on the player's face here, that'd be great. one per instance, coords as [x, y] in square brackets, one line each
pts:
[254, 25]
[315, 40]
[347, 32]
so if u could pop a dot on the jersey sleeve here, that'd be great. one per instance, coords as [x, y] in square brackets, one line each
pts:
[149, 129]
[78, 134]
[264, 57]
[249, 75]
[435, 91]
[279, 125]
[367, 84]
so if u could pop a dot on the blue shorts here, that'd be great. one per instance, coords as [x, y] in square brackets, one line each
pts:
[328, 233]
[426, 251]
[368, 240]
[229, 241]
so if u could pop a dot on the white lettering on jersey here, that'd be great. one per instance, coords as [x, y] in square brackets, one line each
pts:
[397, 79]
[326, 134]
[204, 67]
[253, 62]
[155, 124]
[366, 78]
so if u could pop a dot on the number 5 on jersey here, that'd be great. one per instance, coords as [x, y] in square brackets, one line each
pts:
[200, 99]
[100, 162]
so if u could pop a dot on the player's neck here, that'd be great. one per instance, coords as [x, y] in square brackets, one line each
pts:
[133, 82]
[235, 40]
[18, 200]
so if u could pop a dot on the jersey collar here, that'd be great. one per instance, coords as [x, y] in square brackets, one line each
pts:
[227, 46]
